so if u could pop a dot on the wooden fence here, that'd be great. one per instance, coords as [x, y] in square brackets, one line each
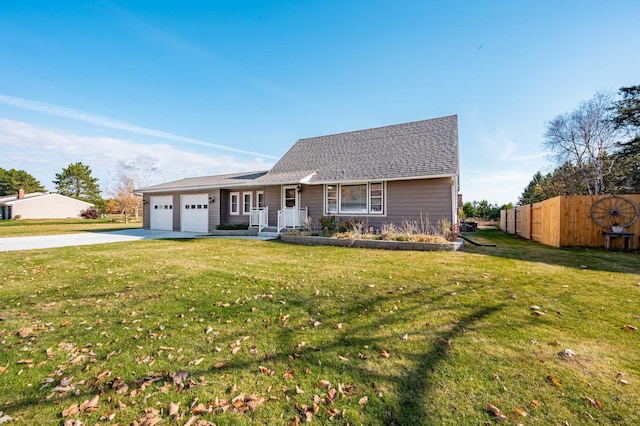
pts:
[565, 221]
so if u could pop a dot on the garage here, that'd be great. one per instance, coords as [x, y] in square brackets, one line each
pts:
[161, 212]
[194, 213]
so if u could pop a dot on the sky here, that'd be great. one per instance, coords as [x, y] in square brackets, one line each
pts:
[213, 87]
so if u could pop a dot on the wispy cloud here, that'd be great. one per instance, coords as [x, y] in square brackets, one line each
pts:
[43, 152]
[110, 123]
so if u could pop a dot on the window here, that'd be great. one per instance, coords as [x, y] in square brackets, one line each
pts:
[375, 197]
[235, 203]
[260, 195]
[186, 206]
[332, 199]
[363, 198]
[246, 202]
[353, 198]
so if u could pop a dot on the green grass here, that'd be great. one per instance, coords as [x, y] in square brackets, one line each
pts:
[32, 227]
[457, 327]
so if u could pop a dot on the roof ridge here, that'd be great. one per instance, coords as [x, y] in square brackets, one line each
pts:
[380, 128]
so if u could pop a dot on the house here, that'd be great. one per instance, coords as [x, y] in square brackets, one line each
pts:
[385, 175]
[37, 205]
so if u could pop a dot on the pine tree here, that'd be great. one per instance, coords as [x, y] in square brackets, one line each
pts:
[11, 181]
[76, 181]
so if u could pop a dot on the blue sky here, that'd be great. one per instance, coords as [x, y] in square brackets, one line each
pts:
[210, 87]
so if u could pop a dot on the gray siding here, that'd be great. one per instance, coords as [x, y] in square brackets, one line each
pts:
[410, 200]
[312, 197]
[273, 199]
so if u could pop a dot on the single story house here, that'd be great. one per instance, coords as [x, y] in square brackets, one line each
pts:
[385, 175]
[37, 205]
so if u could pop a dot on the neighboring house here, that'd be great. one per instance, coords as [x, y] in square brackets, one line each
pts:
[392, 174]
[37, 205]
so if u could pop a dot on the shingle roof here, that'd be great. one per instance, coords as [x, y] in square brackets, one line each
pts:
[418, 149]
[233, 179]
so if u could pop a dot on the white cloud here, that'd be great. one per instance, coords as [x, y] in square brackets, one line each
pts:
[110, 123]
[496, 186]
[43, 152]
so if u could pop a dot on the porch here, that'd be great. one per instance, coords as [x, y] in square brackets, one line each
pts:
[288, 218]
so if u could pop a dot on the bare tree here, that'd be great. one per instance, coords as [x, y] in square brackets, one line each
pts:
[585, 137]
[132, 174]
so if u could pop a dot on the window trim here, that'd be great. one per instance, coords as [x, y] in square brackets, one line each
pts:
[338, 198]
[237, 204]
[246, 212]
[260, 194]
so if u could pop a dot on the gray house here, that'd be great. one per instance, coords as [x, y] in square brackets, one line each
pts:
[385, 175]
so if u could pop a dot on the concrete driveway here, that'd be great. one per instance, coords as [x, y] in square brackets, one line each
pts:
[87, 238]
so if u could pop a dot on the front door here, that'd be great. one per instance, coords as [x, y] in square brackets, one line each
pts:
[290, 206]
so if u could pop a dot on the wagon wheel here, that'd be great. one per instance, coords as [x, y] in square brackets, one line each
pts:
[614, 210]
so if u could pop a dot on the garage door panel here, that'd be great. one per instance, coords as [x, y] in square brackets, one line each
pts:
[194, 213]
[161, 212]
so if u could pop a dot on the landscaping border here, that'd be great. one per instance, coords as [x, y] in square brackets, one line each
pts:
[374, 244]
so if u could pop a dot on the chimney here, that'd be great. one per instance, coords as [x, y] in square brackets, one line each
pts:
[20, 194]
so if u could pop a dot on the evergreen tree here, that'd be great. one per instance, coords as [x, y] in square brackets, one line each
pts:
[11, 181]
[535, 191]
[76, 181]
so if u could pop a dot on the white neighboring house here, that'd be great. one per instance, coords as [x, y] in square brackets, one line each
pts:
[38, 205]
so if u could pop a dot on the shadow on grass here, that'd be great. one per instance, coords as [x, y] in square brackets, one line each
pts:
[513, 247]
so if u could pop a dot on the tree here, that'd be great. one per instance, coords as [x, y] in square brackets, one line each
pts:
[535, 191]
[136, 173]
[76, 181]
[469, 210]
[626, 117]
[11, 181]
[584, 137]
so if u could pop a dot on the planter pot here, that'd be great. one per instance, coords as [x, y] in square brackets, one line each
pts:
[617, 229]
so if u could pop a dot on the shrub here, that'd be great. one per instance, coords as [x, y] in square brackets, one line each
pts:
[328, 225]
[90, 213]
[232, 227]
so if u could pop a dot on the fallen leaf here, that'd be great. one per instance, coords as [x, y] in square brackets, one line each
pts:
[288, 374]
[554, 381]
[405, 337]
[24, 331]
[343, 358]
[539, 313]
[90, 404]
[324, 384]
[521, 412]
[298, 390]
[534, 403]
[363, 401]
[444, 341]
[196, 361]
[199, 409]
[628, 327]
[339, 325]
[568, 353]
[384, 354]
[594, 403]
[25, 361]
[4, 368]
[496, 412]
[65, 323]
[70, 411]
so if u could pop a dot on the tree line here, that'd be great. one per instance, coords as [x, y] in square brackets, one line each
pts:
[596, 149]
[77, 181]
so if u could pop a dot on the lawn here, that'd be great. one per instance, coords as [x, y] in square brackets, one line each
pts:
[231, 331]
[32, 227]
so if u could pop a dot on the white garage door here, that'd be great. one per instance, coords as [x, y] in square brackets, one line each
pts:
[162, 212]
[194, 213]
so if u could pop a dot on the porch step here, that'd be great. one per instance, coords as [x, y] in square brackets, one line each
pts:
[269, 234]
[273, 229]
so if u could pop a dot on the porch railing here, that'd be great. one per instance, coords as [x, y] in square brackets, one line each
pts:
[259, 217]
[291, 218]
